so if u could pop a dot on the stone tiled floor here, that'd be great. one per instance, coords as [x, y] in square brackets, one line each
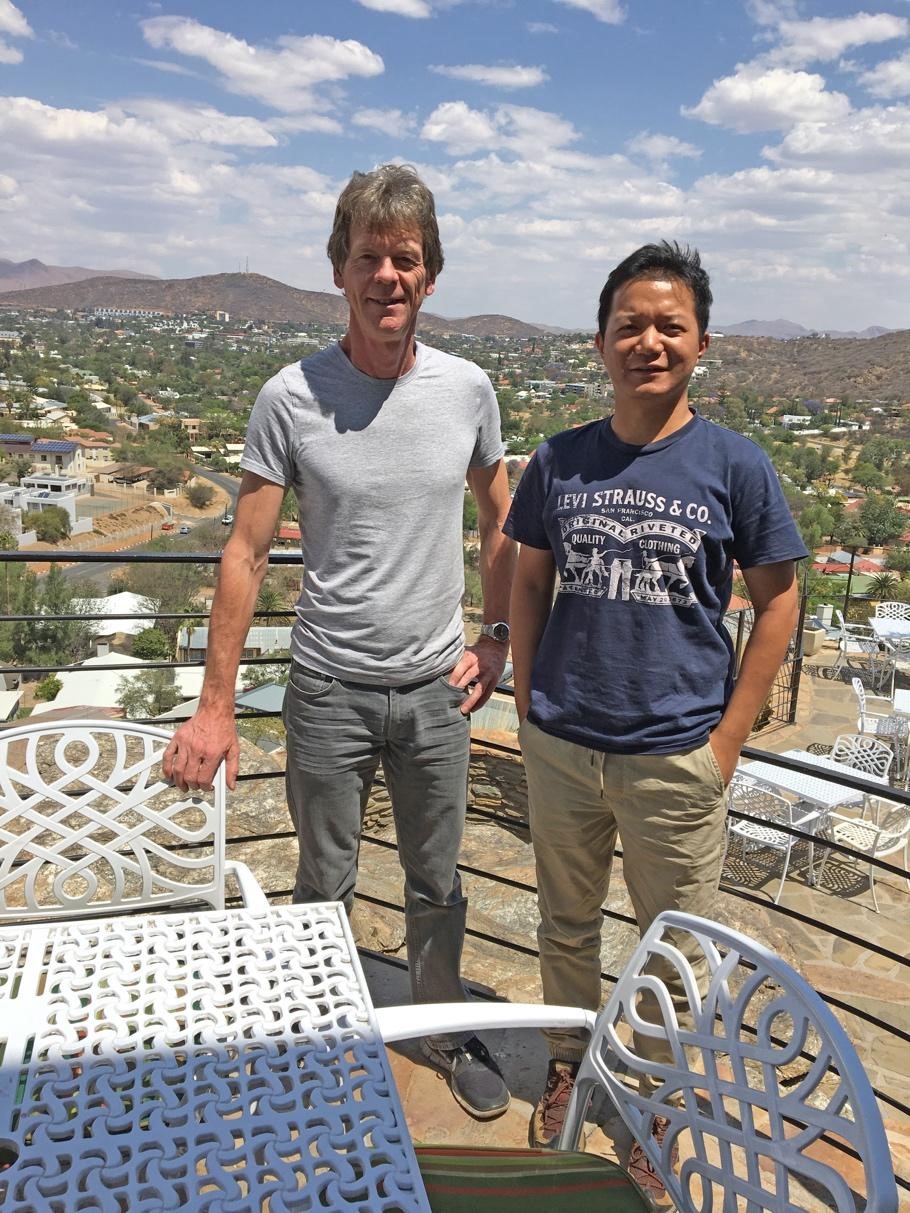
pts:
[502, 914]
[857, 974]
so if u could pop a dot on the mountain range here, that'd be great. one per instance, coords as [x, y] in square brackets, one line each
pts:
[258, 298]
[24, 275]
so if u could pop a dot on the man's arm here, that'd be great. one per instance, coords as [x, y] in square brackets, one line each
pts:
[198, 746]
[532, 600]
[483, 662]
[772, 588]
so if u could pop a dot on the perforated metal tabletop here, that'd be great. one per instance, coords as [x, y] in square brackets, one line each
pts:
[220, 1061]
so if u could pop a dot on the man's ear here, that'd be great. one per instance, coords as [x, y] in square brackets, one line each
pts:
[337, 279]
[705, 342]
[430, 286]
[599, 342]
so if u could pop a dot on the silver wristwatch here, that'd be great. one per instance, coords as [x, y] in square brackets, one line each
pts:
[496, 631]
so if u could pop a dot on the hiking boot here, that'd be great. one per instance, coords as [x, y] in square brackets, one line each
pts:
[639, 1165]
[473, 1076]
[550, 1113]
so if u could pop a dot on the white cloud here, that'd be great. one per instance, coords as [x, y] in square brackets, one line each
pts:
[661, 148]
[871, 141]
[199, 123]
[9, 54]
[402, 8]
[828, 38]
[889, 79]
[389, 122]
[518, 128]
[172, 69]
[8, 186]
[286, 79]
[541, 27]
[459, 127]
[609, 11]
[761, 99]
[12, 21]
[496, 76]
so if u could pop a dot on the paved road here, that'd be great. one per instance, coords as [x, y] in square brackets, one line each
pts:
[98, 575]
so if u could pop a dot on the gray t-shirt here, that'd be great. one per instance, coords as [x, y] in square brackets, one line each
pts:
[378, 466]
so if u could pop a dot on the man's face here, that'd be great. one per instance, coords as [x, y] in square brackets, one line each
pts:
[385, 282]
[651, 342]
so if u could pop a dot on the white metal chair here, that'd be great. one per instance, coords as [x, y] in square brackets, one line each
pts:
[884, 831]
[761, 1077]
[88, 826]
[867, 755]
[892, 610]
[858, 650]
[756, 831]
[889, 726]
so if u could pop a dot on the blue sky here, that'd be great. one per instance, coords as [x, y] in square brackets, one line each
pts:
[557, 135]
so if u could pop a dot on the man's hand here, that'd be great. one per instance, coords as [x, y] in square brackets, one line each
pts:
[480, 669]
[726, 751]
[196, 750]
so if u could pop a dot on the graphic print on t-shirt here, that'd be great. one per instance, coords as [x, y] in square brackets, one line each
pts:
[629, 548]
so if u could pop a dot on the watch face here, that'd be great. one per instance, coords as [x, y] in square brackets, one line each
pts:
[499, 631]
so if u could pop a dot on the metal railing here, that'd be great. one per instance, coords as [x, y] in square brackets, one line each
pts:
[895, 1100]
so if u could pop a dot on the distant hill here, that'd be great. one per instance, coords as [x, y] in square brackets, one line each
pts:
[26, 275]
[815, 367]
[787, 330]
[245, 296]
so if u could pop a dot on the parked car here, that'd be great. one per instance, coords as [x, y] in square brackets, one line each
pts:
[167, 526]
[227, 520]
[185, 530]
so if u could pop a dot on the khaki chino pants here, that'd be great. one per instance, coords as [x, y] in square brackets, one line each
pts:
[669, 812]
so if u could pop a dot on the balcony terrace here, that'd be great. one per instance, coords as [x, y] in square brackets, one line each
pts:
[856, 958]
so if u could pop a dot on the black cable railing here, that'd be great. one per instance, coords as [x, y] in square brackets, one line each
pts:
[853, 782]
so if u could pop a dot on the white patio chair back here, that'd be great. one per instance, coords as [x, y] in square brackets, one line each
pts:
[756, 831]
[89, 826]
[864, 753]
[858, 649]
[759, 1076]
[892, 610]
[737, 1078]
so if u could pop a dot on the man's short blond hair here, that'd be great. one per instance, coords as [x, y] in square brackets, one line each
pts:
[391, 198]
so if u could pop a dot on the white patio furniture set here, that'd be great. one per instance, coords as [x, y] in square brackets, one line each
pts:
[155, 1055]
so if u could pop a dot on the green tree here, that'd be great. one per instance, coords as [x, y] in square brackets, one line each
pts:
[882, 585]
[868, 477]
[48, 688]
[880, 519]
[899, 560]
[152, 644]
[50, 525]
[199, 495]
[269, 598]
[148, 693]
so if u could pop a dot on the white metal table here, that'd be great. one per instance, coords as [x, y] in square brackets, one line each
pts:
[890, 631]
[823, 793]
[215, 1062]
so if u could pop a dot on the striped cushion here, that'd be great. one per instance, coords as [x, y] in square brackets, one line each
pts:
[459, 1179]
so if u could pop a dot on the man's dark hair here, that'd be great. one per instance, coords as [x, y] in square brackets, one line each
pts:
[664, 260]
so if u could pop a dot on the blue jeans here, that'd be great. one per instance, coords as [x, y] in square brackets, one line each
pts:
[338, 732]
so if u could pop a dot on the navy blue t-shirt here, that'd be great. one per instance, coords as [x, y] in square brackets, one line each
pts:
[635, 657]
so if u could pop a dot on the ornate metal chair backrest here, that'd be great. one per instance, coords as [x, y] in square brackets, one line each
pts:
[757, 1071]
[892, 610]
[89, 826]
[864, 753]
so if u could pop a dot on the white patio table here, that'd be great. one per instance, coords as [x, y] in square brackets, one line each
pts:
[824, 794]
[890, 631]
[219, 1060]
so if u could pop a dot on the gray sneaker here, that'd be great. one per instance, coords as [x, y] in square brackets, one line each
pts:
[473, 1076]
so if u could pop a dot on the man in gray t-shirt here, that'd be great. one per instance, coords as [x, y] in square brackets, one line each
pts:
[376, 435]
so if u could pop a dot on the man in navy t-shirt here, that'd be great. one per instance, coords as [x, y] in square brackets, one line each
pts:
[630, 720]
